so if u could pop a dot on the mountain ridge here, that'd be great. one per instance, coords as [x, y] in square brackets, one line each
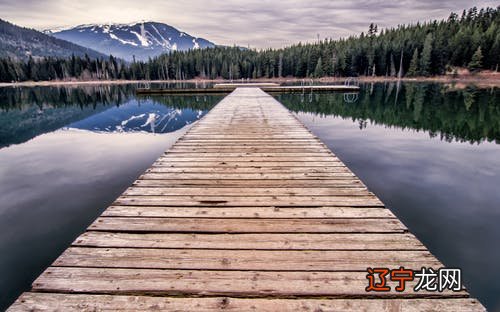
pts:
[19, 42]
[129, 41]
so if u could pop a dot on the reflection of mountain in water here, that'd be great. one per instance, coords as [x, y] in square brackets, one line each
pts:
[134, 116]
[471, 115]
[28, 112]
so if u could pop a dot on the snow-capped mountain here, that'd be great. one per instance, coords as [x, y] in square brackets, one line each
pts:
[142, 40]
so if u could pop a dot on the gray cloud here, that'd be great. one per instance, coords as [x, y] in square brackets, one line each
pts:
[259, 24]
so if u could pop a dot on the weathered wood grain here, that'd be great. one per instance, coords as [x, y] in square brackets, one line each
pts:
[82, 302]
[229, 191]
[270, 241]
[279, 201]
[244, 164]
[217, 283]
[247, 212]
[244, 158]
[226, 225]
[243, 260]
[276, 183]
[255, 169]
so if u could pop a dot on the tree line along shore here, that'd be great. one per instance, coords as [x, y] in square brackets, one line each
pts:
[438, 48]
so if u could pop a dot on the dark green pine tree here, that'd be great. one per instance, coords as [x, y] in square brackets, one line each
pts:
[413, 70]
[476, 62]
[425, 60]
[392, 72]
[318, 71]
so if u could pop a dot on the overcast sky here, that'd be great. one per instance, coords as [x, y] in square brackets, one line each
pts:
[259, 24]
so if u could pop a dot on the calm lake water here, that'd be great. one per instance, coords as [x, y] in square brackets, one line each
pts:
[429, 152]
[65, 155]
[432, 155]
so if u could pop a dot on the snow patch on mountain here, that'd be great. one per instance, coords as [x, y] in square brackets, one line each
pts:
[144, 41]
[113, 36]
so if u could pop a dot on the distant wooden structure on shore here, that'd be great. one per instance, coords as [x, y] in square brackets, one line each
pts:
[227, 85]
[266, 87]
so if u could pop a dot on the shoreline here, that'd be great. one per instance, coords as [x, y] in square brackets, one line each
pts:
[480, 80]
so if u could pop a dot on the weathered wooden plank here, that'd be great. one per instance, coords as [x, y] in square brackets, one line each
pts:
[247, 149]
[279, 201]
[217, 283]
[248, 136]
[193, 143]
[242, 148]
[242, 123]
[243, 260]
[83, 302]
[232, 127]
[239, 144]
[270, 241]
[266, 142]
[247, 212]
[226, 225]
[246, 153]
[246, 158]
[258, 170]
[275, 183]
[233, 119]
[224, 150]
[247, 122]
[253, 141]
[231, 191]
[251, 176]
[266, 133]
[244, 164]
[224, 126]
[186, 139]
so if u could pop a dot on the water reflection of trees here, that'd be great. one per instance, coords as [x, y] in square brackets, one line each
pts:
[470, 115]
[31, 111]
[83, 96]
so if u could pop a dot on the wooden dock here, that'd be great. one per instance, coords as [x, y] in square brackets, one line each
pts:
[269, 88]
[248, 211]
